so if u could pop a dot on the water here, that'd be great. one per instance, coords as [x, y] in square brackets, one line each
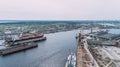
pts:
[114, 31]
[50, 53]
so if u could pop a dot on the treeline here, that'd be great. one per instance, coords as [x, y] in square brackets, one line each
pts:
[56, 21]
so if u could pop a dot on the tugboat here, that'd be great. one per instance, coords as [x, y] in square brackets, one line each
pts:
[71, 61]
[76, 37]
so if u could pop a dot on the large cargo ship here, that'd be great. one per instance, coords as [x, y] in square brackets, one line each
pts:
[31, 37]
[25, 39]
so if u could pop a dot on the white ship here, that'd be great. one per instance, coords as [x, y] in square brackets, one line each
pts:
[71, 61]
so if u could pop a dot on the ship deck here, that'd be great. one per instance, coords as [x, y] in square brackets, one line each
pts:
[84, 57]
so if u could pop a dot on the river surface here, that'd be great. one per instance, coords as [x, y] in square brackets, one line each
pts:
[50, 53]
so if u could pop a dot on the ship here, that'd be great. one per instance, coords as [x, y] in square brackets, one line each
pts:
[31, 37]
[71, 61]
[23, 43]
[25, 39]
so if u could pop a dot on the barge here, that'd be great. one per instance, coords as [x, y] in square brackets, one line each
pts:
[17, 48]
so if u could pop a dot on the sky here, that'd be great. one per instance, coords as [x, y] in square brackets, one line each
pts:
[59, 9]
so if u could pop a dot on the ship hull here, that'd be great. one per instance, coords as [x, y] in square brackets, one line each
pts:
[27, 40]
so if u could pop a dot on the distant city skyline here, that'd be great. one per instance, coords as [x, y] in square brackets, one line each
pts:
[59, 10]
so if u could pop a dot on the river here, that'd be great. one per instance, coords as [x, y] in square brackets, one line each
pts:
[50, 53]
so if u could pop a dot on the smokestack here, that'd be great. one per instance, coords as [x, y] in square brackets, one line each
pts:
[91, 30]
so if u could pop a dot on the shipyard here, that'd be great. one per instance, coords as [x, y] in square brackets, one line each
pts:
[59, 33]
[98, 48]
[103, 47]
[13, 45]
[79, 45]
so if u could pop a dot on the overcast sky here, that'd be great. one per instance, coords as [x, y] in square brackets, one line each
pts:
[59, 9]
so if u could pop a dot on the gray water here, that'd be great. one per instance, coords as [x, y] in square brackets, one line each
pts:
[50, 53]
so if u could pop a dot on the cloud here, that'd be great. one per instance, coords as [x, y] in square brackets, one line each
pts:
[60, 9]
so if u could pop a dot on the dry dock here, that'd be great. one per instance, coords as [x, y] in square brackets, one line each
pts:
[79, 57]
[84, 57]
[17, 48]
